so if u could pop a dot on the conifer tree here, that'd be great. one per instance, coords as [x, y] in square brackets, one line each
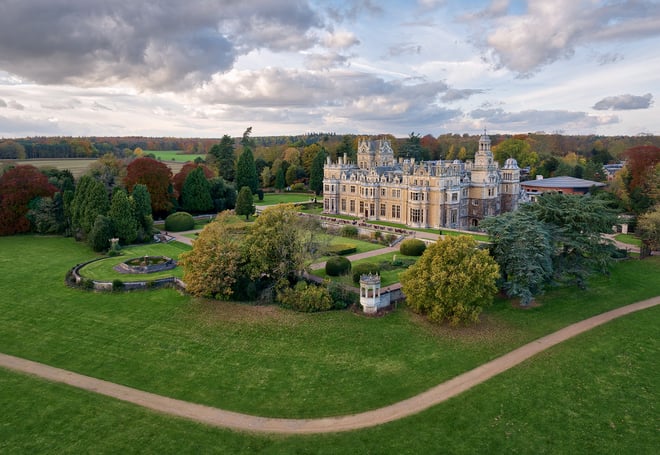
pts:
[122, 218]
[223, 155]
[246, 172]
[196, 192]
[245, 203]
[316, 173]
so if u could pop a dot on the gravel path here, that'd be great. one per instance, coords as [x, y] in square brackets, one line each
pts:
[226, 419]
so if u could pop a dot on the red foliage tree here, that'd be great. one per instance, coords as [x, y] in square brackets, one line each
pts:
[19, 186]
[180, 177]
[158, 179]
[641, 161]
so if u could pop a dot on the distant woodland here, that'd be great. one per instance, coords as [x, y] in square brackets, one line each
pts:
[446, 146]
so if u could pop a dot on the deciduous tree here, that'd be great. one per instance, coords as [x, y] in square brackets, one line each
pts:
[157, 178]
[452, 281]
[19, 186]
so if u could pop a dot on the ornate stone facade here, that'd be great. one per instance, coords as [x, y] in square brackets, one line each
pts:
[429, 194]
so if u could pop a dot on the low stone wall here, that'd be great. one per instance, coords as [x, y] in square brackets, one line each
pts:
[128, 285]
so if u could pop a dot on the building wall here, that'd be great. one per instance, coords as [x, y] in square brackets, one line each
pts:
[431, 194]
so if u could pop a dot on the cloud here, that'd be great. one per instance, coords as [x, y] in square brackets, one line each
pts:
[452, 95]
[156, 45]
[340, 40]
[20, 127]
[546, 120]
[3, 103]
[549, 31]
[325, 61]
[12, 104]
[404, 49]
[624, 102]
[356, 9]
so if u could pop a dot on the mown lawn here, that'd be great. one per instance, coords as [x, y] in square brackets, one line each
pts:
[103, 270]
[387, 277]
[174, 155]
[596, 393]
[286, 198]
[263, 360]
[629, 239]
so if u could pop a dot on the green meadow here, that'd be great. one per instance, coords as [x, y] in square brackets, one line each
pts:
[596, 393]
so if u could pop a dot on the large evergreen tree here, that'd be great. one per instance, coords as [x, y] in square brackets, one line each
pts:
[222, 195]
[196, 192]
[246, 172]
[280, 180]
[122, 216]
[245, 203]
[223, 156]
[316, 172]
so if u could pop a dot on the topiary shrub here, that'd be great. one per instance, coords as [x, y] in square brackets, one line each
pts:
[117, 285]
[362, 269]
[337, 265]
[349, 231]
[341, 249]
[412, 247]
[179, 221]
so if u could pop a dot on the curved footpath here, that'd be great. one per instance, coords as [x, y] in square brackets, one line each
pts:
[226, 419]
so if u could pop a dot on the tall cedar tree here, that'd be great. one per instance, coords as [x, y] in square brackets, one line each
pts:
[180, 177]
[316, 172]
[452, 281]
[196, 192]
[245, 203]
[90, 200]
[575, 224]
[18, 187]
[246, 172]
[223, 155]
[142, 206]
[122, 217]
[157, 177]
[280, 181]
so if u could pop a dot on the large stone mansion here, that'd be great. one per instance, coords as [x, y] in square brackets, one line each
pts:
[428, 194]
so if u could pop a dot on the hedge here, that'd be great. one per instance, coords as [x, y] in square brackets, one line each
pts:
[179, 221]
[363, 269]
[341, 249]
[349, 231]
[412, 247]
[337, 265]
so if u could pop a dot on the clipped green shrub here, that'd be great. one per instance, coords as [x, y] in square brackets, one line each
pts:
[179, 221]
[362, 269]
[341, 249]
[412, 247]
[337, 265]
[306, 297]
[117, 285]
[349, 231]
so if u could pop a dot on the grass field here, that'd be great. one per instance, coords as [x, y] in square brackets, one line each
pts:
[387, 277]
[268, 361]
[175, 155]
[629, 239]
[77, 166]
[286, 198]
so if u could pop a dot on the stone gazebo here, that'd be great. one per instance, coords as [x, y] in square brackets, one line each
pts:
[370, 292]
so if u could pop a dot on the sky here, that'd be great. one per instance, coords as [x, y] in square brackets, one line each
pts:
[205, 68]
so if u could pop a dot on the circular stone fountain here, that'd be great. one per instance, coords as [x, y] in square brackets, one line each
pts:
[146, 264]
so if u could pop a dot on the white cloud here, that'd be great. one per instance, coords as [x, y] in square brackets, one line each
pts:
[624, 102]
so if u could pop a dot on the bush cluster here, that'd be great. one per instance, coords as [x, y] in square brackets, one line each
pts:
[362, 269]
[337, 265]
[412, 247]
[341, 249]
[179, 221]
[349, 231]
[306, 297]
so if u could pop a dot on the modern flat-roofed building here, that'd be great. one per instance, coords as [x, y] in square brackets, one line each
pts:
[561, 184]
[428, 194]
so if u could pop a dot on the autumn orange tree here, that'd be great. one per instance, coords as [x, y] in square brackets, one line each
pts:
[642, 179]
[158, 179]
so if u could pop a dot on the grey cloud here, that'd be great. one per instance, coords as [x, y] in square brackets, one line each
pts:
[354, 10]
[325, 61]
[549, 31]
[20, 127]
[3, 103]
[534, 120]
[163, 45]
[12, 104]
[452, 95]
[404, 49]
[100, 107]
[61, 105]
[610, 57]
[624, 102]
